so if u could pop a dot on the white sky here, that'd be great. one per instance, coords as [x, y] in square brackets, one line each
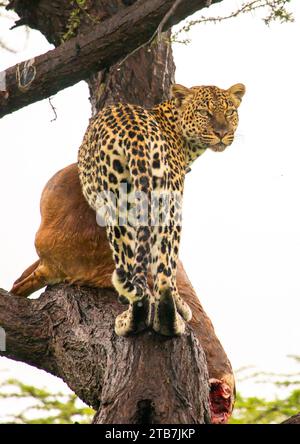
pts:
[241, 237]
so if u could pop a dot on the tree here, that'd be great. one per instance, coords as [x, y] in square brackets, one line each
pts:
[256, 410]
[282, 408]
[77, 56]
[51, 408]
[55, 348]
[40, 406]
[68, 331]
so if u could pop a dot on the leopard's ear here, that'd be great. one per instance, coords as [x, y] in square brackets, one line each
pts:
[237, 92]
[180, 93]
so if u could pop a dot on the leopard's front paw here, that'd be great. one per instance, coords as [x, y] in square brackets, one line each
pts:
[137, 318]
[167, 320]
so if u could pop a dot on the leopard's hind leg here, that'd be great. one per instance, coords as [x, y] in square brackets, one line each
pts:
[129, 245]
[170, 309]
[129, 282]
[128, 227]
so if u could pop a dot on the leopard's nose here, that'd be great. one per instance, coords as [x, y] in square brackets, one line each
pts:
[221, 132]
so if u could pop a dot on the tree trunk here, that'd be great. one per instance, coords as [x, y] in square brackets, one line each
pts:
[69, 331]
[292, 420]
[110, 40]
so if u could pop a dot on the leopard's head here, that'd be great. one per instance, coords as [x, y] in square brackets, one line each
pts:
[207, 115]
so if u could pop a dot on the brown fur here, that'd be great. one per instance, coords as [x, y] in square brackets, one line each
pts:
[74, 249]
[71, 246]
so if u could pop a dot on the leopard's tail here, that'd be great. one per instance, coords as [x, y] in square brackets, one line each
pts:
[133, 285]
[125, 287]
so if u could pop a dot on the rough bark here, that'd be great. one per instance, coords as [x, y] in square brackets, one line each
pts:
[108, 42]
[68, 331]
[292, 420]
[83, 257]
[136, 74]
[26, 332]
[53, 18]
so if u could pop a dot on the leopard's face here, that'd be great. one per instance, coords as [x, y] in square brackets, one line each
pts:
[208, 115]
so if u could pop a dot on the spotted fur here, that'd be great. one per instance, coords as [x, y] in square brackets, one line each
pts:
[150, 151]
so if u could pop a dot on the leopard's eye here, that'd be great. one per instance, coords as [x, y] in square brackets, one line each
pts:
[203, 112]
[230, 112]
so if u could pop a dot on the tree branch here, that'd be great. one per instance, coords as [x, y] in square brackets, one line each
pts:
[157, 32]
[27, 332]
[276, 12]
[292, 420]
[74, 60]
[77, 323]
[73, 327]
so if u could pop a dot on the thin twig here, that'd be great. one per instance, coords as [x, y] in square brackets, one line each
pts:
[83, 9]
[157, 32]
[165, 19]
[275, 6]
[53, 109]
[6, 48]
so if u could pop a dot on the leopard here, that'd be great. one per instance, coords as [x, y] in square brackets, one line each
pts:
[132, 161]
